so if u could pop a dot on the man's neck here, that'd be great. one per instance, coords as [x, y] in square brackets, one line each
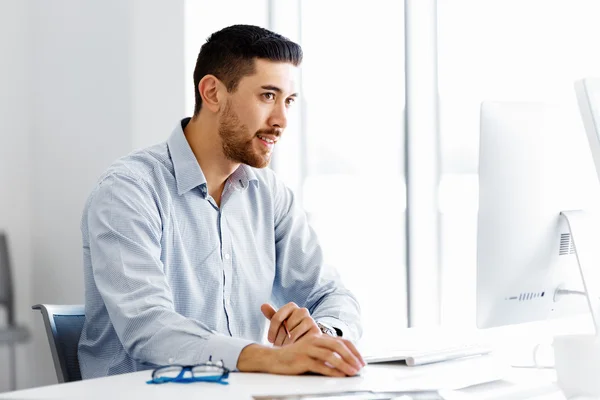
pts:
[203, 138]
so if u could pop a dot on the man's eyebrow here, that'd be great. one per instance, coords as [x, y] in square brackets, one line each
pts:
[276, 89]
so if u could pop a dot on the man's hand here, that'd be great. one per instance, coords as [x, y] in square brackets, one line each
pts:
[298, 320]
[322, 354]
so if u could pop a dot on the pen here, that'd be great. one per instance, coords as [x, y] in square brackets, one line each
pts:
[286, 329]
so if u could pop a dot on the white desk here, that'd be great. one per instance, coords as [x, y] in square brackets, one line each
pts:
[518, 384]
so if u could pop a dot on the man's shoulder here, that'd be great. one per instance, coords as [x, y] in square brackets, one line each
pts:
[145, 165]
[146, 171]
[134, 182]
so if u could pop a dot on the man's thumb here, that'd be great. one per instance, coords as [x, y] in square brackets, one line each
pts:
[267, 310]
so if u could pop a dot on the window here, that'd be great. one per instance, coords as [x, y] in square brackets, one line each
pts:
[354, 190]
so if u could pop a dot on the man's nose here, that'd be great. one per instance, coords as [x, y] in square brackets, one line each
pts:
[278, 117]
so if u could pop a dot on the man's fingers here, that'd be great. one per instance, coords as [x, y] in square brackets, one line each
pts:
[333, 359]
[320, 368]
[281, 336]
[354, 351]
[298, 315]
[268, 311]
[277, 320]
[300, 330]
[339, 346]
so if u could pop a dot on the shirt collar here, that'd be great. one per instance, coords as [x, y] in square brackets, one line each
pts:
[188, 173]
[242, 177]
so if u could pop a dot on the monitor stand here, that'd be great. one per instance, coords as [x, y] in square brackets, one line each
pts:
[582, 233]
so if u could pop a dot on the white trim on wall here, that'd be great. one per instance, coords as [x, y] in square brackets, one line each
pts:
[422, 163]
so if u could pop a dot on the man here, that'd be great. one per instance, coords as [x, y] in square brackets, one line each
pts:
[186, 243]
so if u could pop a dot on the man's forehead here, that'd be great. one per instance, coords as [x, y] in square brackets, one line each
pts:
[282, 75]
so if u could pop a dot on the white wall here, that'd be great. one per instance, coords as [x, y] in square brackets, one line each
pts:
[157, 69]
[15, 166]
[106, 77]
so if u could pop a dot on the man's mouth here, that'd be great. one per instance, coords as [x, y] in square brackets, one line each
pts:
[268, 141]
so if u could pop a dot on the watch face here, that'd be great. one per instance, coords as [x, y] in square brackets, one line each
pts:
[326, 329]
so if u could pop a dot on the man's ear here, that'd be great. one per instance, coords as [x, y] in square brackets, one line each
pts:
[210, 88]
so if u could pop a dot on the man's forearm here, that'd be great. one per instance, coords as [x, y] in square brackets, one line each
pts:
[321, 354]
[255, 358]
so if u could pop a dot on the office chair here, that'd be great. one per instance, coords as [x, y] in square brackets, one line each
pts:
[63, 328]
[11, 334]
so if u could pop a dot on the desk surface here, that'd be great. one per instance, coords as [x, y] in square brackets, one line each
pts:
[517, 384]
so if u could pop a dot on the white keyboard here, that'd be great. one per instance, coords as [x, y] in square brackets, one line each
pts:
[414, 357]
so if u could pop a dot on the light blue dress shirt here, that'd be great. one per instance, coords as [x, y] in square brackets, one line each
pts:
[171, 278]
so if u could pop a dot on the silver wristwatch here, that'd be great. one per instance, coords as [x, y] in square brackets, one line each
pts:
[327, 329]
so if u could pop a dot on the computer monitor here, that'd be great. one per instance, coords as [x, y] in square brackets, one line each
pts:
[588, 99]
[534, 163]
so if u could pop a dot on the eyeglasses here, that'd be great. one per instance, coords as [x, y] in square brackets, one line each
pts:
[208, 372]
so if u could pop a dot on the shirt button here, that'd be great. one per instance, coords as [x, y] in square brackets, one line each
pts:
[227, 256]
[228, 302]
[171, 360]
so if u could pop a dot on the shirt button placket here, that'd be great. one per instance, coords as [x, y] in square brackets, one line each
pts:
[228, 267]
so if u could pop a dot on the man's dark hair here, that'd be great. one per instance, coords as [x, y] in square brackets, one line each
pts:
[229, 55]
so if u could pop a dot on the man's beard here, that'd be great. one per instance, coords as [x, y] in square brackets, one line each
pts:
[237, 142]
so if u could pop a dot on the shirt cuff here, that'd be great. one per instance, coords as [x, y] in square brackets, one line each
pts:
[224, 348]
[336, 323]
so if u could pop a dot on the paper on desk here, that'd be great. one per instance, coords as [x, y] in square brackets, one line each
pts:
[395, 377]
[450, 375]
[361, 395]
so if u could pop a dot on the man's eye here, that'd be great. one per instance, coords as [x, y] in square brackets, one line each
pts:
[290, 101]
[269, 96]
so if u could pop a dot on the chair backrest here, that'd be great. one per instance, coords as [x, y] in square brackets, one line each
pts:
[64, 324]
[6, 289]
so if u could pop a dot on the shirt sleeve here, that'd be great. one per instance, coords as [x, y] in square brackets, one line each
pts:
[125, 231]
[302, 276]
